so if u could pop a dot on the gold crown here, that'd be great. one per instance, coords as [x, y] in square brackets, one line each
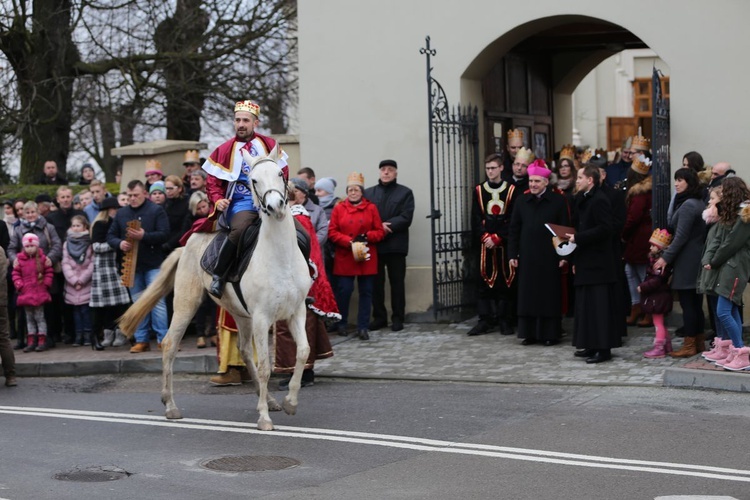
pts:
[641, 143]
[525, 156]
[355, 179]
[360, 251]
[248, 106]
[587, 155]
[153, 165]
[515, 134]
[660, 238]
[192, 156]
[641, 164]
[568, 152]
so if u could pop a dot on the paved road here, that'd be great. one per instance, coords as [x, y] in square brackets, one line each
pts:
[376, 439]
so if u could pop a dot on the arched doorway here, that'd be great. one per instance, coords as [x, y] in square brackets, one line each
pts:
[525, 79]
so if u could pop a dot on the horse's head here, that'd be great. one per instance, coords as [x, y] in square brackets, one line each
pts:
[268, 183]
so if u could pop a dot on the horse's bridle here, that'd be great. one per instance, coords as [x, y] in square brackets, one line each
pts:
[262, 199]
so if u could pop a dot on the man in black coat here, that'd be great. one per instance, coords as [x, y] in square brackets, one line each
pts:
[50, 176]
[618, 172]
[538, 265]
[60, 314]
[595, 273]
[395, 204]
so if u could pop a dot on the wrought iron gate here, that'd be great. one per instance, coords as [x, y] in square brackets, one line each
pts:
[660, 147]
[454, 171]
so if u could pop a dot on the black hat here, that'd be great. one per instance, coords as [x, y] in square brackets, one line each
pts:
[388, 163]
[108, 203]
[42, 198]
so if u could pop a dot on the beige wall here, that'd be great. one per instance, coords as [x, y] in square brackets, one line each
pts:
[363, 92]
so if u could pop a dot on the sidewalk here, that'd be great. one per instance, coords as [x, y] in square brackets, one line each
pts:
[426, 351]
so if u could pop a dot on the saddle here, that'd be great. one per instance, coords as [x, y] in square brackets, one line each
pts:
[247, 246]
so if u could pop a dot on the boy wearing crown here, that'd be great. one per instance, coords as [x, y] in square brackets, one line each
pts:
[490, 220]
[515, 142]
[228, 184]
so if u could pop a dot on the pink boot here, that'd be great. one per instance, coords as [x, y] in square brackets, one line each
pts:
[732, 352]
[720, 350]
[658, 351]
[741, 360]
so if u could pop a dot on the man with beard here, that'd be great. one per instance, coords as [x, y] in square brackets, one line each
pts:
[228, 184]
[618, 172]
[539, 266]
[490, 217]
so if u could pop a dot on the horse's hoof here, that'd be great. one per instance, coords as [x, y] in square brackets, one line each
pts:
[273, 405]
[265, 425]
[289, 408]
[174, 414]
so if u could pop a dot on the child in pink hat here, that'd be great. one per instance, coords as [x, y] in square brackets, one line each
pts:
[656, 296]
[32, 278]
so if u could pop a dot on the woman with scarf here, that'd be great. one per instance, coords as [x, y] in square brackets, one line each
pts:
[684, 255]
[78, 269]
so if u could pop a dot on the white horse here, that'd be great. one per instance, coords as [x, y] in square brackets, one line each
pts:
[274, 286]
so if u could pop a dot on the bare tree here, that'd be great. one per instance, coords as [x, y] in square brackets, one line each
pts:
[119, 69]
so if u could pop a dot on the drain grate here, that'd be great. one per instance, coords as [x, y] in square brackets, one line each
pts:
[92, 474]
[250, 463]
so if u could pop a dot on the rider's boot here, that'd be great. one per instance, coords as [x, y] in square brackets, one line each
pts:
[226, 256]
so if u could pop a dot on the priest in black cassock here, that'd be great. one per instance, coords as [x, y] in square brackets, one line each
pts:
[532, 253]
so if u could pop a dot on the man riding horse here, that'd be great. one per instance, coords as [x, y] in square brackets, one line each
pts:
[228, 187]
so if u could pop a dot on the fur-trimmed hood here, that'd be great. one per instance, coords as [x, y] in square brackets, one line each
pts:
[745, 212]
[642, 187]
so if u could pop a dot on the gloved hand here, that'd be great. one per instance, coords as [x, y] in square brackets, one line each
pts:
[360, 238]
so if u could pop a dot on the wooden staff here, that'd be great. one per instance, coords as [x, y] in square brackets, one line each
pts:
[131, 257]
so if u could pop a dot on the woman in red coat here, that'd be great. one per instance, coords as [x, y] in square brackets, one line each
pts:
[355, 227]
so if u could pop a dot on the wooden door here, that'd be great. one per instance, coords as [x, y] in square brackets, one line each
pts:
[618, 129]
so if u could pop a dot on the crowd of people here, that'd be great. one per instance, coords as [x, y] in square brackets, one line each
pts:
[65, 255]
[577, 239]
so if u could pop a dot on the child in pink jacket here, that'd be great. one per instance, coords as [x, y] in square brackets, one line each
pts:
[78, 269]
[32, 278]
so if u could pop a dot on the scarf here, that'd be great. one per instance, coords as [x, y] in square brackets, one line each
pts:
[30, 225]
[325, 201]
[10, 220]
[563, 184]
[77, 244]
[681, 198]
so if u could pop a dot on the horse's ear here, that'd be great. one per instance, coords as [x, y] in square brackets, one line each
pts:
[246, 156]
[274, 154]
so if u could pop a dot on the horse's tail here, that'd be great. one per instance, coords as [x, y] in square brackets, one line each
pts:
[161, 286]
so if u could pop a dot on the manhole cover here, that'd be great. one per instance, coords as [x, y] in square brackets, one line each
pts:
[92, 474]
[250, 463]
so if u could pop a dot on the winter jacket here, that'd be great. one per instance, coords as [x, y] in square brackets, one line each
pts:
[319, 221]
[347, 222]
[49, 241]
[60, 219]
[395, 204]
[156, 227]
[684, 254]
[77, 273]
[656, 297]
[594, 256]
[638, 223]
[732, 258]
[31, 292]
[177, 211]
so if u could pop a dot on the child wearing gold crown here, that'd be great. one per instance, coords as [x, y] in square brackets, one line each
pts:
[656, 297]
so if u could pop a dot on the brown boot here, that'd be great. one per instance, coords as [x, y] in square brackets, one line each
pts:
[646, 321]
[700, 343]
[140, 347]
[635, 311]
[688, 349]
[231, 377]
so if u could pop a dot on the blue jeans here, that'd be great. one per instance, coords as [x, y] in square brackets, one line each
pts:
[155, 320]
[82, 319]
[636, 274]
[728, 314]
[344, 289]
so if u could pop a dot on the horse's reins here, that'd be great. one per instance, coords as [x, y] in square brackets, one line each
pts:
[262, 199]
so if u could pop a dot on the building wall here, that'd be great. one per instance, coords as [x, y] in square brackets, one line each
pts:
[363, 93]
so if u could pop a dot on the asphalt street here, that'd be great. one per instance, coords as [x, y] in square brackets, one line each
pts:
[375, 439]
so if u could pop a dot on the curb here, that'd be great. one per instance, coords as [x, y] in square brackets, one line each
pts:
[202, 364]
[706, 379]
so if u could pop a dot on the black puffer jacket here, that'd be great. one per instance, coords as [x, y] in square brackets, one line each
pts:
[396, 205]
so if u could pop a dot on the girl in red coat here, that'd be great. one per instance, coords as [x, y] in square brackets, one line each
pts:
[354, 227]
[32, 278]
[656, 297]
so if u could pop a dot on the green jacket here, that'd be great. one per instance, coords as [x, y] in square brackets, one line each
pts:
[709, 278]
[732, 258]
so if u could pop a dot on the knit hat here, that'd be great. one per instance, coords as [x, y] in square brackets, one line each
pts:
[108, 203]
[157, 186]
[299, 183]
[30, 239]
[355, 179]
[327, 184]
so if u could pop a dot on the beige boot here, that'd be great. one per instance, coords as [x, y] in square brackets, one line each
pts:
[231, 377]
